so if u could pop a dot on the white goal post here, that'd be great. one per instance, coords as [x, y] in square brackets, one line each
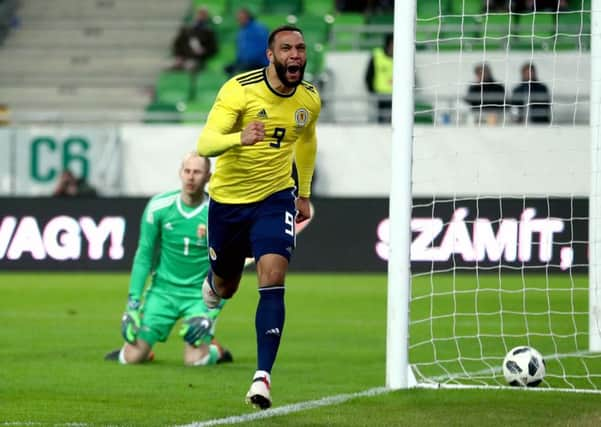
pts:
[399, 265]
[595, 191]
[452, 325]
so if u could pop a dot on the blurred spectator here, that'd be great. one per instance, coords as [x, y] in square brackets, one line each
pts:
[380, 6]
[530, 99]
[66, 185]
[546, 5]
[4, 115]
[497, 5]
[70, 186]
[84, 189]
[486, 96]
[351, 5]
[378, 78]
[521, 6]
[194, 44]
[8, 17]
[251, 44]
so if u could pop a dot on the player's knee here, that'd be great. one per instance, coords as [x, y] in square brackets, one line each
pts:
[197, 356]
[133, 354]
[273, 274]
[193, 361]
[273, 277]
[271, 269]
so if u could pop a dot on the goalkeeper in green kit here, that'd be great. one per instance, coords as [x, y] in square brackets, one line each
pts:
[173, 250]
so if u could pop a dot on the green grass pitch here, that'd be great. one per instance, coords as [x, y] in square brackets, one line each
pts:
[56, 328]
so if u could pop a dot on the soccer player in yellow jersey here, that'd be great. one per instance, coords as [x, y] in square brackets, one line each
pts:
[260, 123]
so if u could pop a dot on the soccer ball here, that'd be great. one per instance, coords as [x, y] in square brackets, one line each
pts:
[524, 366]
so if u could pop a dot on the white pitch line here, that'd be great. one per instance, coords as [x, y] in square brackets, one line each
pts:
[288, 409]
[340, 398]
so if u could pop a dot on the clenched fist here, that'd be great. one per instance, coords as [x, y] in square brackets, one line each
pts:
[252, 133]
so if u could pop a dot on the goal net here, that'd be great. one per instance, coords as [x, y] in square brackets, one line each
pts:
[503, 199]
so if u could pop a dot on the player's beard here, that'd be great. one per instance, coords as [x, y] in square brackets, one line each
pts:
[280, 69]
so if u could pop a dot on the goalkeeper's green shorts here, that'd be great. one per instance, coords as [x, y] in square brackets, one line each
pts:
[161, 310]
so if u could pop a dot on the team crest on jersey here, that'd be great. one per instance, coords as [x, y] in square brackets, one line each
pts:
[212, 254]
[201, 231]
[301, 116]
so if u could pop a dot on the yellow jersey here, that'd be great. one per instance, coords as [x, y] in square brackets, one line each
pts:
[246, 174]
[382, 71]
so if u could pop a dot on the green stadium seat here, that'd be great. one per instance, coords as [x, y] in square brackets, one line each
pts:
[319, 7]
[216, 7]
[382, 24]
[460, 32]
[196, 112]
[423, 113]
[575, 22]
[292, 7]
[226, 29]
[573, 30]
[273, 21]
[427, 33]
[173, 87]
[225, 56]
[497, 30]
[206, 86]
[431, 8]
[466, 7]
[208, 81]
[345, 30]
[579, 5]
[158, 112]
[534, 31]
[427, 27]
[452, 26]
[315, 62]
[316, 29]
[380, 19]
[349, 18]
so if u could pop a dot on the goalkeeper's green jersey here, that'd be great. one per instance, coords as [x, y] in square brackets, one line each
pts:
[172, 246]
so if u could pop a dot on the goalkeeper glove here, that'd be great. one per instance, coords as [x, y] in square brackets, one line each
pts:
[197, 330]
[130, 322]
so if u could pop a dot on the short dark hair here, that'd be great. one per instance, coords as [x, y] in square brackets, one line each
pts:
[388, 39]
[529, 65]
[279, 29]
[248, 12]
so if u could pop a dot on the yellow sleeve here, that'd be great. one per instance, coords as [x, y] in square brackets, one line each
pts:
[306, 149]
[217, 135]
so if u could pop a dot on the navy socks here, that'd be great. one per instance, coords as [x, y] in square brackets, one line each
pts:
[269, 324]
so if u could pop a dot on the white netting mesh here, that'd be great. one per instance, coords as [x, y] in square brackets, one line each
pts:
[501, 185]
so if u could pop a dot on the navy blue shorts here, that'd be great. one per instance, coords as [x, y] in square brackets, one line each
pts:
[238, 231]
